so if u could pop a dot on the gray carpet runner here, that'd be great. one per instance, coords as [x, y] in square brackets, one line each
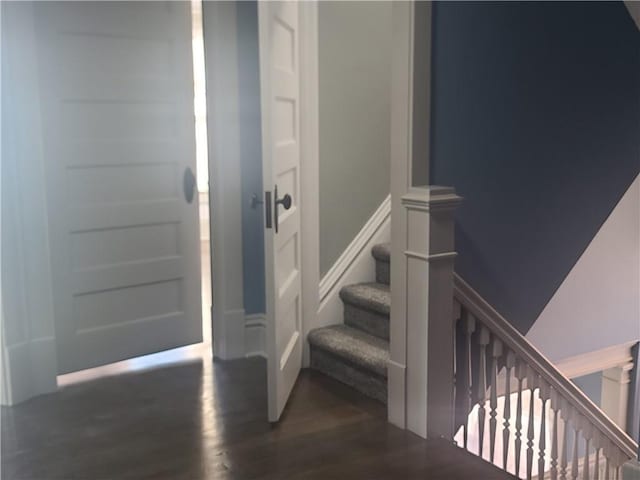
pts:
[356, 352]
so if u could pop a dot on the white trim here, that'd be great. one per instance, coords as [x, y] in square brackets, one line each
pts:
[309, 170]
[596, 361]
[29, 359]
[223, 130]
[355, 265]
[401, 151]
[255, 326]
[361, 243]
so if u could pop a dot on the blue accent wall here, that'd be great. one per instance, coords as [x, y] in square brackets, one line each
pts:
[536, 122]
[253, 275]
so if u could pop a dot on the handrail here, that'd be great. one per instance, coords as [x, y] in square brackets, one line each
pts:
[566, 389]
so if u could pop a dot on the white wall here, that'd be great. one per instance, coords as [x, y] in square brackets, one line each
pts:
[598, 304]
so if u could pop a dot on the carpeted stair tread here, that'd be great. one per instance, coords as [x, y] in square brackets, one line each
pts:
[382, 252]
[356, 347]
[375, 297]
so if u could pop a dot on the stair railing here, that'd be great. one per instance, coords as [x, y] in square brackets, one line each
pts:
[540, 424]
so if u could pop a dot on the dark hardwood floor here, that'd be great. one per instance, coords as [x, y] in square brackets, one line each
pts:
[204, 421]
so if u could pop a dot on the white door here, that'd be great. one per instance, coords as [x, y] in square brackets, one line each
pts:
[279, 81]
[116, 86]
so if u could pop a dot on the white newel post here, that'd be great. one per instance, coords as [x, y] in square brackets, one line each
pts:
[428, 268]
[615, 393]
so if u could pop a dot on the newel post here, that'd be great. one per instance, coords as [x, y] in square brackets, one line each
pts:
[429, 259]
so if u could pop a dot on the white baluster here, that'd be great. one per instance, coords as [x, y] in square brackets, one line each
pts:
[566, 416]
[509, 364]
[576, 441]
[555, 408]
[531, 385]
[586, 432]
[544, 391]
[482, 385]
[496, 352]
[596, 468]
[521, 372]
[469, 326]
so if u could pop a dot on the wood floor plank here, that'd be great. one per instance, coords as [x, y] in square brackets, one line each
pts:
[208, 421]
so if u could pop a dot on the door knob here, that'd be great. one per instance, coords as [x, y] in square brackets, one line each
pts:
[188, 184]
[285, 201]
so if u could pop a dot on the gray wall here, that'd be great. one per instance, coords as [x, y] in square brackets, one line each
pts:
[250, 156]
[354, 97]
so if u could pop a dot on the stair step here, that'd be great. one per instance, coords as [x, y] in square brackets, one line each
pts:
[382, 255]
[367, 307]
[352, 357]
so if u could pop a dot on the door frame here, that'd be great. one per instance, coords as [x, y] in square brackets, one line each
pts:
[229, 322]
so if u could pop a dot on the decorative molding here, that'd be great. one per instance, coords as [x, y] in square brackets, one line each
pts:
[255, 327]
[597, 361]
[355, 265]
[359, 245]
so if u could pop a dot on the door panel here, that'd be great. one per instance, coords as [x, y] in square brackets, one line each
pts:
[279, 71]
[117, 108]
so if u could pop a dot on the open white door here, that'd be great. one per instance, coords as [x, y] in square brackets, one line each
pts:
[280, 92]
[116, 83]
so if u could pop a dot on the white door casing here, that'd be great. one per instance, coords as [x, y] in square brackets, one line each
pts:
[280, 100]
[117, 111]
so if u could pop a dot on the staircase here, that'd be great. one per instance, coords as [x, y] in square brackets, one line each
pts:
[357, 352]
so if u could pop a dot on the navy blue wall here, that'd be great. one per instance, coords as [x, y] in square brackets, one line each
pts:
[536, 122]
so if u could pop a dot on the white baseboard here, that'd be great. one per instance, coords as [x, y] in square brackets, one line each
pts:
[396, 383]
[255, 327]
[33, 370]
[229, 345]
[355, 265]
